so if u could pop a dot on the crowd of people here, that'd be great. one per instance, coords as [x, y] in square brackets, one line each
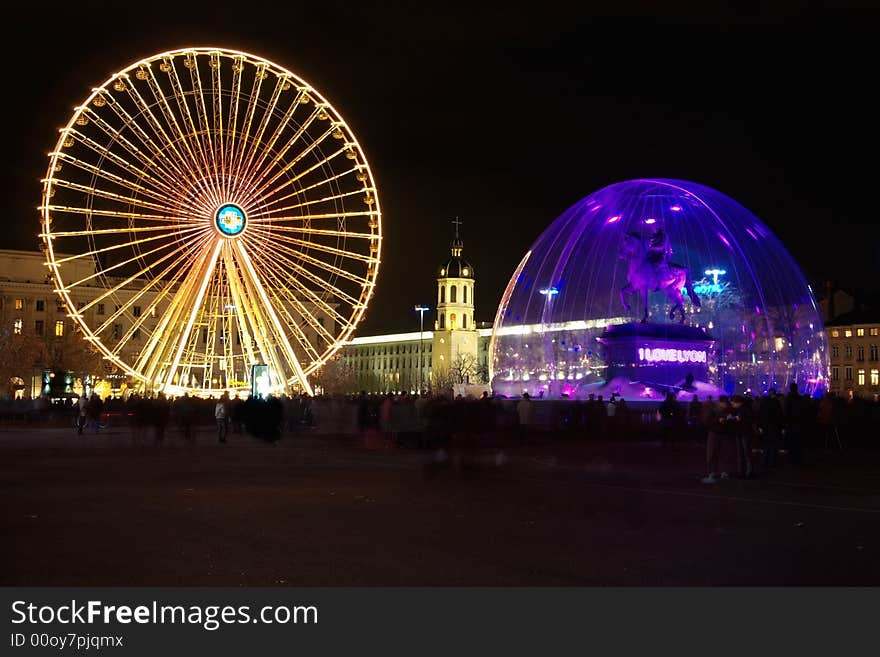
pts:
[734, 429]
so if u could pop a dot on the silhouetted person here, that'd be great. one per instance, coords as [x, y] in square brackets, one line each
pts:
[670, 412]
[797, 411]
[770, 423]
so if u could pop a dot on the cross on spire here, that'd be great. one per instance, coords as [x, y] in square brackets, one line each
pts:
[457, 223]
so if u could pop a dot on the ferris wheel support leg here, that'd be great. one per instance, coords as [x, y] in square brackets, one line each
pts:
[282, 337]
[182, 341]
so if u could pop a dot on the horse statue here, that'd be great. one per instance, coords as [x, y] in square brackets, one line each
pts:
[649, 270]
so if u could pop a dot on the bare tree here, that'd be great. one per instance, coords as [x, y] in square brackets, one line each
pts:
[20, 354]
[336, 377]
[462, 368]
[71, 352]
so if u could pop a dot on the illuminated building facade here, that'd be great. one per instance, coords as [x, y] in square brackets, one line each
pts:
[854, 343]
[456, 351]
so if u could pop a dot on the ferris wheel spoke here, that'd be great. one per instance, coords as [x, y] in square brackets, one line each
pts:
[169, 285]
[291, 180]
[341, 253]
[232, 122]
[125, 245]
[318, 201]
[266, 307]
[192, 139]
[281, 287]
[271, 264]
[157, 160]
[275, 290]
[302, 191]
[262, 190]
[160, 158]
[246, 322]
[204, 125]
[119, 180]
[111, 231]
[176, 159]
[117, 214]
[255, 182]
[129, 261]
[284, 264]
[245, 143]
[315, 231]
[183, 336]
[268, 113]
[189, 161]
[157, 349]
[105, 152]
[111, 196]
[305, 257]
[257, 167]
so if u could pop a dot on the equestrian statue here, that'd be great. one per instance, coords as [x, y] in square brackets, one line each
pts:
[649, 270]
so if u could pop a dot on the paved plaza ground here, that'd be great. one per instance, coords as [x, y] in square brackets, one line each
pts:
[101, 510]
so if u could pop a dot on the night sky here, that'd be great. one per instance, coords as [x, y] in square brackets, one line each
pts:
[506, 117]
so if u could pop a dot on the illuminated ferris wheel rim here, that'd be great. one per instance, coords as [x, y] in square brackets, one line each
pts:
[229, 220]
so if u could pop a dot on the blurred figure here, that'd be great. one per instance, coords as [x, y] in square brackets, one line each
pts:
[524, 412]
[670, 412]
[770, 421]
[742, 409]
[161, 412]
[81, 406]
[221, 416]
[721, 425]
[797, 410]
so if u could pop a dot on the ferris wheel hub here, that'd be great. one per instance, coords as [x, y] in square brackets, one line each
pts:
[230, 220]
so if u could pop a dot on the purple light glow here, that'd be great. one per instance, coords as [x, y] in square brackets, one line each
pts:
[763, 295]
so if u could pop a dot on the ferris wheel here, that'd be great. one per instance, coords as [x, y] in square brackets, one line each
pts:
[206, 211]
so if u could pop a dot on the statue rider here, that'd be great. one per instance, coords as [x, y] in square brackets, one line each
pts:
[659, 248]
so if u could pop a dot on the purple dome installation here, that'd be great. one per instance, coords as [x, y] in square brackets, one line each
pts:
[728, 309]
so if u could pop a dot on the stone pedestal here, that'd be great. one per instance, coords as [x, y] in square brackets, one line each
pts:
[659, 355]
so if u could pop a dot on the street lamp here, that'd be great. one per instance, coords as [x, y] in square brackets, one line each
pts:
[421, 310]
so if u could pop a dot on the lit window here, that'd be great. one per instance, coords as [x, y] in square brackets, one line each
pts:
[860, 332]
[875, 377]
[835, 334]
[16, 326]
[847, 333]
[59, 328]
[19, 304]
[861, 379]
[874, 331]
[465, 271]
